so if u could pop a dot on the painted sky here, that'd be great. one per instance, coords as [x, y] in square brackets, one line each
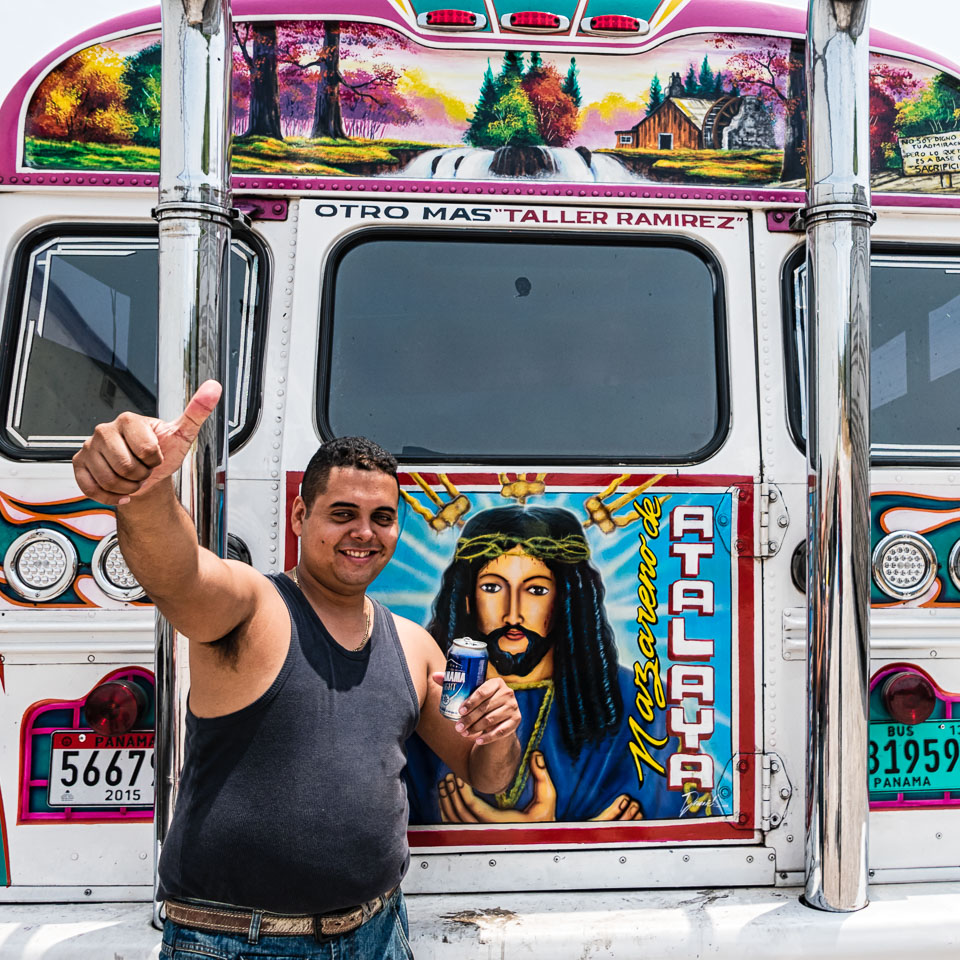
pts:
[443, 85]
[49, 23]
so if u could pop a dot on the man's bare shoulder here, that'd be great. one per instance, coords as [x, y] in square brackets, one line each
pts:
[413, 633]
[421, 650]
[228, 597]
[258, 584]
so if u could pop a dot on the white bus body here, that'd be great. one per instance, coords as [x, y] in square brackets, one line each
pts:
[616, 331]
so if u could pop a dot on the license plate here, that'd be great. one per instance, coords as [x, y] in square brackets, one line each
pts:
[89, 769]
[914, 758]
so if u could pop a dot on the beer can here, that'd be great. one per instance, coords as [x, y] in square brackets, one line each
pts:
[466, 670]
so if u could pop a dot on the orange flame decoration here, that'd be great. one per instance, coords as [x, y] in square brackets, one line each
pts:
[90, 522]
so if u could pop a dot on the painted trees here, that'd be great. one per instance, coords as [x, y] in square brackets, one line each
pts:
[554, 110]
[707, 83]
[263, 116]
[512, 68]
[525, 106]
[772, 69]
[656, 95]
[84, 99]
[288, 59]
[141, 75]
[888, 86]
[571, 84]
[703, 85]
[322, 48]
[795, 116]
[367, 115]
[485, 112]
[934, 110]
[514, 122]
[327, 115]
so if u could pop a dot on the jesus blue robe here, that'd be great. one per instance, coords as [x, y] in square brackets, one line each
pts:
[586, 784]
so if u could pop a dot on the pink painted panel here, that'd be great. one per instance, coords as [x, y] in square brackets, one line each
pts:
[34, 733]
[438, 114]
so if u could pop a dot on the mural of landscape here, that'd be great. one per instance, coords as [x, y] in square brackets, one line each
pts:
[325, 98]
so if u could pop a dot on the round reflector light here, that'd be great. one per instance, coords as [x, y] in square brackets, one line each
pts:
[953, 565]
[908, 697]
[40, 564]
[115, 706]
[111, 572]
[904, 565]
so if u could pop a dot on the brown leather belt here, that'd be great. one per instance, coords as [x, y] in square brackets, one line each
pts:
[215, 919]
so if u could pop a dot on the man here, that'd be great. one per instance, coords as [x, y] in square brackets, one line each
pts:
[290, 825]
[522, 581]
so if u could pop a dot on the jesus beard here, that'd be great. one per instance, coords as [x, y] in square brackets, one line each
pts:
[516, 664]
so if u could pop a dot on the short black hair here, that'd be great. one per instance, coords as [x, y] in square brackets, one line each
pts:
[357, 452]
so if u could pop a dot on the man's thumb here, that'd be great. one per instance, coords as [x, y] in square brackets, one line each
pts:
[201, 405]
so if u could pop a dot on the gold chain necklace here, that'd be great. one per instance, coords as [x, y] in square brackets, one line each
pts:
[366, 613]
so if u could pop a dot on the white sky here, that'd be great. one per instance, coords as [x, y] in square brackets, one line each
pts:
[934, 24]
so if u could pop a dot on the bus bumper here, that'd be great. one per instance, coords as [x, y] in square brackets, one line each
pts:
[728, 924]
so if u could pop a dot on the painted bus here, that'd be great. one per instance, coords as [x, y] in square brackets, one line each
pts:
[559, 259]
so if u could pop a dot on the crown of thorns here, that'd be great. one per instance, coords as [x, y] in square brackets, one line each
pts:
[569, 549]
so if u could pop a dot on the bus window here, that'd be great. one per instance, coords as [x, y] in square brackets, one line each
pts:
[82, 338]
[915, 356]
[501, 347]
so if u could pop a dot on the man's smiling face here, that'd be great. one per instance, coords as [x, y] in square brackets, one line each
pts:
[349, 532]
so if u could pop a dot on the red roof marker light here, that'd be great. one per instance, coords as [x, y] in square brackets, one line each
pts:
[614, 25]
[451, 19]
[534, 21]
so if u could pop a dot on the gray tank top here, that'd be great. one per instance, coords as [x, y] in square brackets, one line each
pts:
[296, 803]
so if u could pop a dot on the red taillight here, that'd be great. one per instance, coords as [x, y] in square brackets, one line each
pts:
[451, 18]
[115, 706]
[615, 24]
[908, 697]
[535, 20]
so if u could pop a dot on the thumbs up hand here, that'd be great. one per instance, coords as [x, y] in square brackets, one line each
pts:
[130, 455]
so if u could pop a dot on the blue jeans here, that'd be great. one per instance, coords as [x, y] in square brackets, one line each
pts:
[383, 937]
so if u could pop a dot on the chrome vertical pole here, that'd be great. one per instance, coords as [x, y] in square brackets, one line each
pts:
[194, 217]
[838, 218]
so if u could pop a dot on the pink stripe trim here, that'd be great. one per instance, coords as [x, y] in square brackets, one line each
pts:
[24, 814]
[515, 188]
[948, 700]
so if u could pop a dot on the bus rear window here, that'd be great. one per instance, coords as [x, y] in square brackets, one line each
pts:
[504, 347]
[82, 341]
[914, 356]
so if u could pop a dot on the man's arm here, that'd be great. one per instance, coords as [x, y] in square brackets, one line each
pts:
[130, 462]
[482, 747]
[202, 595]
